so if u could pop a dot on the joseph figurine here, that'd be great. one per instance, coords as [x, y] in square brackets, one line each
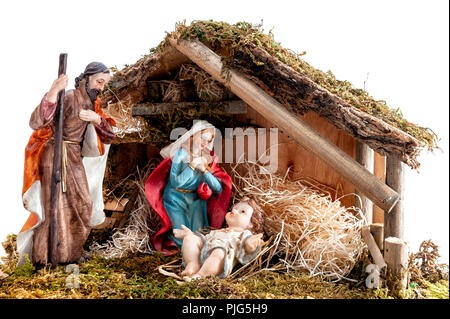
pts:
[86, 131]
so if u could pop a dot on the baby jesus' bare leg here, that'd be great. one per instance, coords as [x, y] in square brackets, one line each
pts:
[192, 246]
[213, 264]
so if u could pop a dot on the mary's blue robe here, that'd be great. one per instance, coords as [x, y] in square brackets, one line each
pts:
[187, 208]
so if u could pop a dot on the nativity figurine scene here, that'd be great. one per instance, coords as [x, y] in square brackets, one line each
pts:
[222, 163]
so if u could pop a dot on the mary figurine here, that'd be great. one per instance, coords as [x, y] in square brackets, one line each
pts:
[188, 187]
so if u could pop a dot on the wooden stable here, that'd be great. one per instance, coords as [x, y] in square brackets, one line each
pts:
[114, 213]
[310, 145]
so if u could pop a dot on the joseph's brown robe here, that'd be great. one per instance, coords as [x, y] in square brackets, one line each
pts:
[75, 205]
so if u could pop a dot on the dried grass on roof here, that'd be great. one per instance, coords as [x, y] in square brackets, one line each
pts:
[207, 88]
[156, 130]
[225, 38]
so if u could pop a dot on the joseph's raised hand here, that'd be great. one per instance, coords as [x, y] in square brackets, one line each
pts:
[58, 85]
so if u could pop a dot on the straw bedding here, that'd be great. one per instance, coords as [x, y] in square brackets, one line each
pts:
[314, 233]
[141, 225]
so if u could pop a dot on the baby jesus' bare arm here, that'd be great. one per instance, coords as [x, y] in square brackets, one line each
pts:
[252, 243]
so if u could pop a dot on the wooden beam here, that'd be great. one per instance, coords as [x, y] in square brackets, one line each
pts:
[393, 219]
[227, 107]
[377, 231]
[396, 256]
[373, 248]
[116, 205]
[310, 139]
[127, 211]
[364, 157]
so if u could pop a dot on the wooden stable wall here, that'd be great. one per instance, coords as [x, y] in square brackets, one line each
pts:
[379, 170]
[304, 163]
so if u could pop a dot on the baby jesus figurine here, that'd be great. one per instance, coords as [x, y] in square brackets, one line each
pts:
[216, 253]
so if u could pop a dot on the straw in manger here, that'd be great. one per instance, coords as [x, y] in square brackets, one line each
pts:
[318, 235]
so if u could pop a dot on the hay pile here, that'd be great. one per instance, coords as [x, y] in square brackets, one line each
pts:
[126, 124]
[316, 234]
[142, 223]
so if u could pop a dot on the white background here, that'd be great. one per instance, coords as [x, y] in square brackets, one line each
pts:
[400, 47]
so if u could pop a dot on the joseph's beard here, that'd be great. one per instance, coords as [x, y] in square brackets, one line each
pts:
[92, 93]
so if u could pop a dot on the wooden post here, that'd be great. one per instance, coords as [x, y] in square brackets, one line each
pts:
[306, 136]
[373, 248]
[377, 231]
[396, 256]
[379, 170]
[364, 157]
[393, 220]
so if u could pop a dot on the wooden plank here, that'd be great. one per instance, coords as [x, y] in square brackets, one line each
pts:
[310, 139]
[154, 109]
[108, 223]
[373, 248]
[364, 157]
[116, 205]
[379, 170]
[393, 219]
[117, 216]
[127, 211]
[377, 231]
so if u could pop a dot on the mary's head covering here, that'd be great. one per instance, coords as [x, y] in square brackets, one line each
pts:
[170, 150]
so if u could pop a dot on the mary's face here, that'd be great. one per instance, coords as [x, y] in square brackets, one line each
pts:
[203, 138]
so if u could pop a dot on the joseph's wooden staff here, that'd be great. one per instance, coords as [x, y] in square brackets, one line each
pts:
[57, 165]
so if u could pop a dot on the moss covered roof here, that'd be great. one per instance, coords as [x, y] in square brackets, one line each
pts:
[381, 127]
[224, 37]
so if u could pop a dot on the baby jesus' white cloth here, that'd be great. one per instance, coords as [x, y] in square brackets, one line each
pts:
[232, 242]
